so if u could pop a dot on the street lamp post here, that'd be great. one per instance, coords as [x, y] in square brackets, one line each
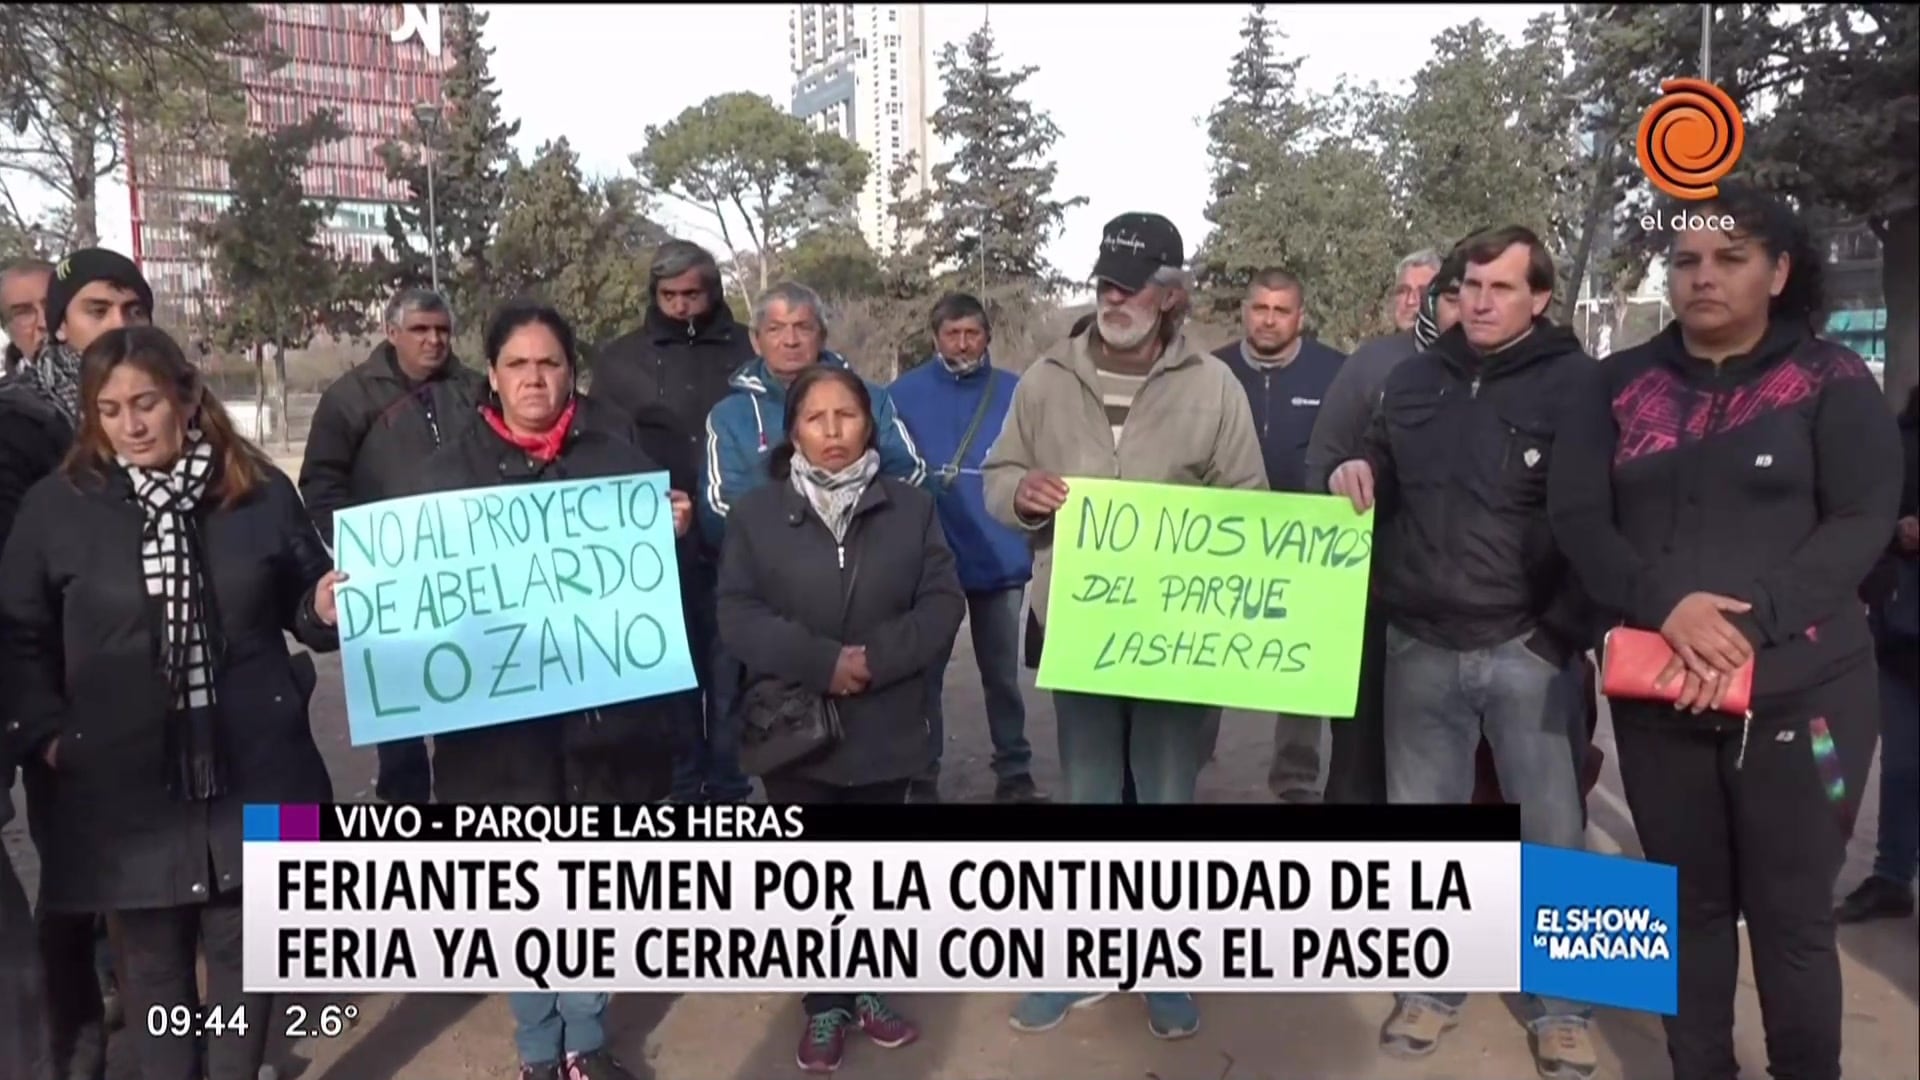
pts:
[1706, 42]
[428, 117]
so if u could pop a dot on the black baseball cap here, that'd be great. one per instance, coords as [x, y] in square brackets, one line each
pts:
[1134, 246]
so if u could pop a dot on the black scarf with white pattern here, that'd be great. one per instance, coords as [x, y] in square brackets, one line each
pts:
[170, 558]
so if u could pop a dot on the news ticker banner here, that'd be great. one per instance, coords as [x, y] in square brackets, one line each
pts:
[761, 899]
[466, 609]
[1240, 599]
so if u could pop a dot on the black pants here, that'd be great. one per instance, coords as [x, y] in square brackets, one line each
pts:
[1357, 763]
[76, 1017]
[406, 772]
[24, 1053]
[160, 946]
[1764, 838]
[788, 789]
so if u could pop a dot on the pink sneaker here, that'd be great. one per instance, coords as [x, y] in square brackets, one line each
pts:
[822, 1042]
[884, 1026]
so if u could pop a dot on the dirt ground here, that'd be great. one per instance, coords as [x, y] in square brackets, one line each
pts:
[966, 1037]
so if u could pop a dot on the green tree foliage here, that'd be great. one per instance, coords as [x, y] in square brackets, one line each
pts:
[1851, 143]
[764, 176]
[275, 283]
[1485, 137]
[1621, 54]
[837, 262]
[1296, 186]
[579, 244]
[1261, 109]
[990, 211]
[1830, 92]
[473, 149]
[77, 79]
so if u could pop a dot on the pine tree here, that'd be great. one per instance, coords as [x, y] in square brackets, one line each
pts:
[993, 204]
[276, 283]
[577, 242]
[1261, 113]
[474, 148]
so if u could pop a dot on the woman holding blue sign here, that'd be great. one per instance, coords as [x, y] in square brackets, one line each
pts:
[838, 593]
[145, 596]
[538, 429]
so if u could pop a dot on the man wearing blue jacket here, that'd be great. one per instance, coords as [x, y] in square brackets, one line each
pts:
[1286, 376]
[790, 336]
[954, 405]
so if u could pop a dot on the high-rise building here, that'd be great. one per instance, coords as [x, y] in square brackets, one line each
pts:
[369, 63]
[860, 70]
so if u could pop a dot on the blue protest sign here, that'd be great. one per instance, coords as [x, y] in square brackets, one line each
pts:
[1600, 929]
[465, 609]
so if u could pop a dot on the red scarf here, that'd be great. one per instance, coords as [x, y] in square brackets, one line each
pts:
[542, 448]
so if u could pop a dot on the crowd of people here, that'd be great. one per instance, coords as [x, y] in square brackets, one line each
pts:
[1737, 485]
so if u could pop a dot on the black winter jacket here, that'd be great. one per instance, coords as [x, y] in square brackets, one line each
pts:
[1286, 402]
[79, 641]
[782, 580]
[1766, 480]
[615, 753]
[372, 431]
[1460, 447]
[34, 437]
[667, 376]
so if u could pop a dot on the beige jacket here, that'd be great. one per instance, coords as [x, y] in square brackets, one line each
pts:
[1190, 424]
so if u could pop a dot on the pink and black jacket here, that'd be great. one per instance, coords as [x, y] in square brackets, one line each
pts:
[1765, 479]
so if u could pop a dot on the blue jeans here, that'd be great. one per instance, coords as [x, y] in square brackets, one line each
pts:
[1897, 852]
[548, 1026]
[706, 763]
[993, 618]
[1440, 702]
[1166, 744]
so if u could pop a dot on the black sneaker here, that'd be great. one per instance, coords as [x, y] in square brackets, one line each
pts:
[1876, 898]
[923, 789]
[543, 1071]
[1019, 789]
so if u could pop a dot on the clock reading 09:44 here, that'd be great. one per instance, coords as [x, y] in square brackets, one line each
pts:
[185, 1021]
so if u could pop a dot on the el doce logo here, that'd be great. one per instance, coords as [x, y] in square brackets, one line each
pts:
[1690, 138]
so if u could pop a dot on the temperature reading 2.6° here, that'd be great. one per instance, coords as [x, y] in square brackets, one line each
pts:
[325, 1022]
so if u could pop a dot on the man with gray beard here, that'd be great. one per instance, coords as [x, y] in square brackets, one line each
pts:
[1169, 413]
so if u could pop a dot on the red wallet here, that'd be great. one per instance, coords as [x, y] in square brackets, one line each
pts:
[1630, 661]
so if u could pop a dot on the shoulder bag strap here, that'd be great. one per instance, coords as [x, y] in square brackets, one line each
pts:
[952, 469]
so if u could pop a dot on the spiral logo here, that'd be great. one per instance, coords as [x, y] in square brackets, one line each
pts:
[1690, 138]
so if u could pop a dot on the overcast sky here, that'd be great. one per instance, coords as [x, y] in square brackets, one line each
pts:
[1129, 86]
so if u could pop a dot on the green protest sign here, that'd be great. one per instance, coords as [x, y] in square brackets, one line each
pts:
[1241, 599]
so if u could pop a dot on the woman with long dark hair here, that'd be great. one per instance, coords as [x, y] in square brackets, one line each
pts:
[145, 595]
[837, 583]
[1726, 485]
[534, 428]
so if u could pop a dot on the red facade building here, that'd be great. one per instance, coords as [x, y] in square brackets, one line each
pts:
[369, 63]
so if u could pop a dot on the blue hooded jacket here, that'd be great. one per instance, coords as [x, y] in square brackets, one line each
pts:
[938, 407]
[749, 422]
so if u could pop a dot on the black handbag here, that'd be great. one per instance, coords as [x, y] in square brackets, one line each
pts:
[784, 724]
